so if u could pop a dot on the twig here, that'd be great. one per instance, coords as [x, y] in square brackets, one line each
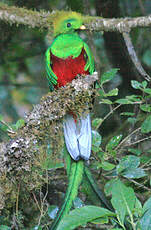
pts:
[36, 201]
[138, 184]
[141, 140]
[42, 213]
[134, 57]
[127, 137]
[111, 111]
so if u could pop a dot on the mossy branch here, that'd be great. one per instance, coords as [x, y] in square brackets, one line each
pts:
[16, 15]
[42, 19]
[28, 148]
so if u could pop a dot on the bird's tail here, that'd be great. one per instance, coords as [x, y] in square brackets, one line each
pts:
[78, 137]
[75, 178]
[93, 191]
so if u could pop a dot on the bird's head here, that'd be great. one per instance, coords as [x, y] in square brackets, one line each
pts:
[67, 22]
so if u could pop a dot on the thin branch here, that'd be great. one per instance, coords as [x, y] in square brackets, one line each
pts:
[117, 24]
[108, 114]
[138, 141]
[127, 138]
[139, 185]
[134, 57]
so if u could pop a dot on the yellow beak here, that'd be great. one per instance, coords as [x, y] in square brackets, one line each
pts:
[82, 27]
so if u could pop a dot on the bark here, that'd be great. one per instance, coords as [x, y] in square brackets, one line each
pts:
[118, 48]
[42, 19]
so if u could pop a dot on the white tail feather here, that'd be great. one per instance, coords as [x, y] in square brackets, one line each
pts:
[78, 136]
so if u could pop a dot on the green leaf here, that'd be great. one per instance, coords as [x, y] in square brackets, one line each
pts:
[107, 166]
[147, 205]
[108, 187]
[123, 200]
[146, 126]
[103, 220]
[128, 162]
[127, 114]
[106, 101]
[4, 227]
[113, 92]
[138, 208]
[96, 141]
[134, 98]
[147, 90]
[124, 101]
[135, 151]
[144, 84]
[113, 142]
[20, 123]
[145, 222]
[101, 93]
[81, 216]
[108, 76]
[132, 120]
[97, 122]
[134, 173]
[128, 167]
[136, 84]
[145, 108]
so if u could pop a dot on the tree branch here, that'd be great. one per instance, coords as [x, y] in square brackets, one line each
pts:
[134, 57]
[23, 157]
[13, 14]
[42, 19]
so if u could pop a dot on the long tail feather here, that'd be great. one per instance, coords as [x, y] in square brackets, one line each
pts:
[75, 178]
[95, 189]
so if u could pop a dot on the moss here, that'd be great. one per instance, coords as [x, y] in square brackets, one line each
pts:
[25, 159]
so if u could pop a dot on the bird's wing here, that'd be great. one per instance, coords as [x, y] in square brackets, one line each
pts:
[90, 62]
[52, 78]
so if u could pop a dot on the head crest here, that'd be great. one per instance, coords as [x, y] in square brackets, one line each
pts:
[62, 18]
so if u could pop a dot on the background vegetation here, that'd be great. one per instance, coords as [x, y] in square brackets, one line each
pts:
[121, 118]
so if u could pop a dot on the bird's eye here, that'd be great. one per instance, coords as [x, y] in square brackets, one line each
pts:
[68, 24]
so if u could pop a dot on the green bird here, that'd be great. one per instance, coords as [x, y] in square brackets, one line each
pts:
[67, 57]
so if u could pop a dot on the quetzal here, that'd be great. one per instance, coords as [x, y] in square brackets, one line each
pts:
[68, 56]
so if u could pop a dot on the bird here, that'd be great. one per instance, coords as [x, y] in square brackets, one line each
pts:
[66, 57]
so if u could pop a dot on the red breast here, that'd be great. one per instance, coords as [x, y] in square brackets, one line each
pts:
[67, 69]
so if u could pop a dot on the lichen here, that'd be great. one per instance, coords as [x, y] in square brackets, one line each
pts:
[24, 160]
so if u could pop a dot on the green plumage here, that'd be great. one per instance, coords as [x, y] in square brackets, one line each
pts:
[66, 45]
[75, 178]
